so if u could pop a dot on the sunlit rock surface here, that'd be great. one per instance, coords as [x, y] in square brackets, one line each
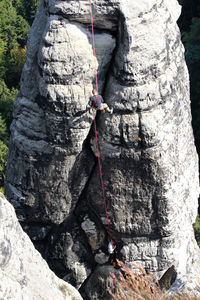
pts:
[23, 272]
[149, 161]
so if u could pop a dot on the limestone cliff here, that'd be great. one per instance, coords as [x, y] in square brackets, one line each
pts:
[149, 161]
[23, 272]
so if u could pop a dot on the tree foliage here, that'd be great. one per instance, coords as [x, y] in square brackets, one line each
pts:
[13, 37]
[16, 17]
[6, 107]
[7, 97]
[197, 229]
[27, 9]
[190, 10]
[15, 64]
[3, 159]
[13, 27]
[3, 131]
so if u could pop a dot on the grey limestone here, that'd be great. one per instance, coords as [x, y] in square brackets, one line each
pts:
[148, 157]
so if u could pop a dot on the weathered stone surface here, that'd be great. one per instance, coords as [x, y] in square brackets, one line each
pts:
[168, 278]
[101, 258]
[100, 283]
[188, 284]
[94, 235]
[23, 272]
[145, 156]
[149, 161]
[68, 253]
[50, 124]
[105, 14]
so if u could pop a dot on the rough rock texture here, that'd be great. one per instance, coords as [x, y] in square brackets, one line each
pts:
[23, 272]
[149, 161]
[101, 283]
[188, 284]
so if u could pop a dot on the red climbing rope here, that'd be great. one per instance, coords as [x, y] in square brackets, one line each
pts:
[97, 145]
[101, 178]
[95, 125]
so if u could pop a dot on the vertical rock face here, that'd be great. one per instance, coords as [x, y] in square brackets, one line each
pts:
[148, 157]
[23, 272]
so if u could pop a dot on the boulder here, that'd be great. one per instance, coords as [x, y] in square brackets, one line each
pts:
[24, 273]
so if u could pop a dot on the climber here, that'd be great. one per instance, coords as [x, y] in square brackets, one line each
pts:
[112, 253]
[96, 102]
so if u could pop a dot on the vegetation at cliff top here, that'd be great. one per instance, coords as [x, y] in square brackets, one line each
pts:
[197, 229]
[128, 285]
[16, 17]
[189, 24]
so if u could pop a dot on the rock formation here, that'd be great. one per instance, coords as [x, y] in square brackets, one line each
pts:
[23, 272]
[149, 161]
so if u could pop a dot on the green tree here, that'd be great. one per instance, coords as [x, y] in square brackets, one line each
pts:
[2, 57]
[15, 65]
[13, 28]
[190, 10]
[191, 41]
[3, 160]
[27, 9]
[7, 97]
[13, 37]
[192, 37]
[197, 229]
[3, 131]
